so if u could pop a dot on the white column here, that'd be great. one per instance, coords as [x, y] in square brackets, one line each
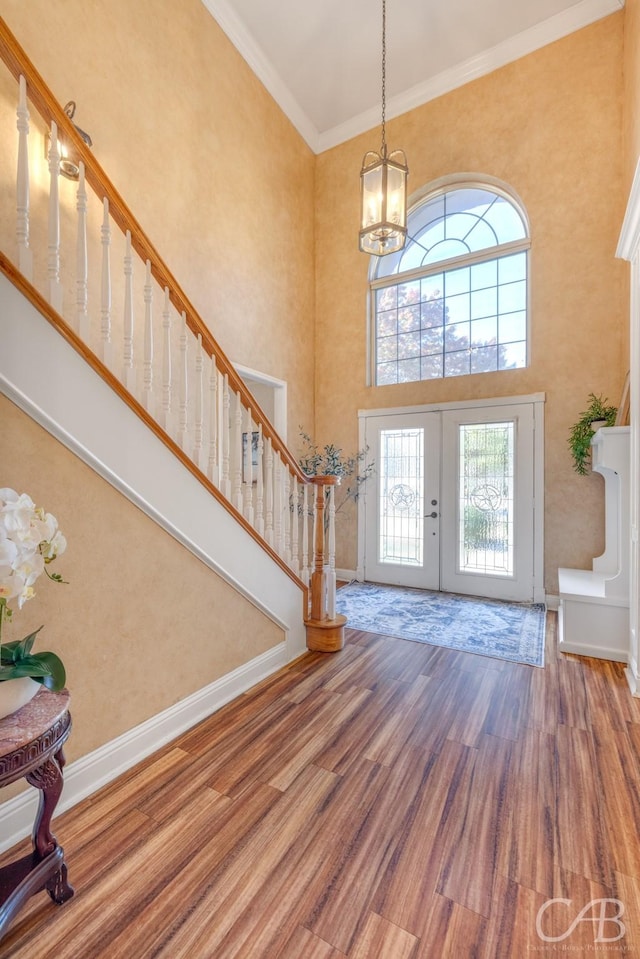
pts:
[226, 438]
[237, 454]
[331, 575]
[25, 254]
[286, 513]
[305, 534]
[259, 515]
[199, 412]
[277, 504]
[295, 527]
[184, 384]
[82, 263]
[147, 371]
[53, 258]
[269, 494]
[213, 468]
[105, 288]
[248, 468]
[165, 414]
[128, 371]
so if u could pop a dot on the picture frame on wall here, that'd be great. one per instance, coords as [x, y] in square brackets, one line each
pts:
[250, 458]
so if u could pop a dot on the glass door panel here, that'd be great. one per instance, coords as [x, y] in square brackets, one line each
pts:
[401, 497]
[402, 519]
[488, 525]
[486, 498]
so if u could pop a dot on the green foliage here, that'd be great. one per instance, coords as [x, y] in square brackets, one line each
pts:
[17, 660]
[581, 432]
[331, 461]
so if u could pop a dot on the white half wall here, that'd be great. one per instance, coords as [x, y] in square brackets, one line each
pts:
[44, 376]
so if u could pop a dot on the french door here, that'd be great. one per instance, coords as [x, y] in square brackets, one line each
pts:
[451, 502]
[402, 538]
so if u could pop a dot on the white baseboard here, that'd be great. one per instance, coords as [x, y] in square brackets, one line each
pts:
[347, 574]
[552, 601]
[89, 773]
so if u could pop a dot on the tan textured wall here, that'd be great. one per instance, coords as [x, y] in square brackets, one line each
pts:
[549, 125]
[631, 90]
[212, 169]
[224, 187]
[142, 623]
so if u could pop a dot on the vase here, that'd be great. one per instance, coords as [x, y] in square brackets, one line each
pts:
[16, 693]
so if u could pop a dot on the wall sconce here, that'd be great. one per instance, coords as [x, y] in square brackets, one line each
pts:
[383, 187]
[69, 162]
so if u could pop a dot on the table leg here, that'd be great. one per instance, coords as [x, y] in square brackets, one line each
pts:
[47, 778]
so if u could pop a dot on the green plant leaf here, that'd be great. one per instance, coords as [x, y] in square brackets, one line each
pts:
[15, 651]
[45, 668]
[56, 677]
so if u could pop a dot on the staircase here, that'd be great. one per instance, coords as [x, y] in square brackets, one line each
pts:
[144, 394]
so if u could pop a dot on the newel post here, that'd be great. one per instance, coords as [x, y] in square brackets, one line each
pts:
[325, 627]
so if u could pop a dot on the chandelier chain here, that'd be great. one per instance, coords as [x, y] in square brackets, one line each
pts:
[384, 77]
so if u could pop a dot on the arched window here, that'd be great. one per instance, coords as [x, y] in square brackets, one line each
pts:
[454, 300]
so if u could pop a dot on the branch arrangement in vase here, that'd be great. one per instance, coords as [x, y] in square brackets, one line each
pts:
[29, 542]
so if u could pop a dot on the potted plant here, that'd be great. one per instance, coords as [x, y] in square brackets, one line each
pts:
[29, 542]
[598, 413]
[331, 461]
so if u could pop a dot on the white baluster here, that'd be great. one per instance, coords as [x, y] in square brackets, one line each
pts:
[277, 504]
[199, 413]
[213, 470]
[269, 495]
[128, 372]
[286, 513]
[295, 527]
[105, 290]
[184, 384]
[317, 492]
[248, 469]
[25, 254]
[165, 414]
[305, 534]
[82, 263]
[237, 454]
[226, 438]
[147, 369]
[259, 515]
[331, 574]
[53, 259]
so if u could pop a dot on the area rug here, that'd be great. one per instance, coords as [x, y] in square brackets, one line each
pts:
[490, 627]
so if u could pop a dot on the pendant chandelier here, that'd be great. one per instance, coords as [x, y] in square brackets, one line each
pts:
[383, 187]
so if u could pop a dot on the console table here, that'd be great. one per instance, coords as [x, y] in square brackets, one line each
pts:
[31, 742]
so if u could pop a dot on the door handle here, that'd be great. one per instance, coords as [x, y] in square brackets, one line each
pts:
[433, 515]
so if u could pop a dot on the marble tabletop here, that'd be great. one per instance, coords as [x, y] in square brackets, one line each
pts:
[28, 723]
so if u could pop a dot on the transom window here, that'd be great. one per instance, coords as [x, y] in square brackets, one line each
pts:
[454, 300]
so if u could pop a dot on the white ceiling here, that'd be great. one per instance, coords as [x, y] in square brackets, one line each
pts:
[320, 59]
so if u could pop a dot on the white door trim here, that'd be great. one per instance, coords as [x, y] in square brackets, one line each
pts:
[538, 401]
[629, 249]
[279, 388]
[456, 405]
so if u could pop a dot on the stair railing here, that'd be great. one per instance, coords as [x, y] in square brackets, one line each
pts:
[155, 351]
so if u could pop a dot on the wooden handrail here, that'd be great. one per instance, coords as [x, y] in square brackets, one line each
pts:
[41, 97]
[60, 324]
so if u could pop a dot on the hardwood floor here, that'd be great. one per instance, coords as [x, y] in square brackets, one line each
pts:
[391, 801]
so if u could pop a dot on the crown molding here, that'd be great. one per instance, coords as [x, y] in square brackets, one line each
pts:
[561, 25]
[232, 25]
[554, 28]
